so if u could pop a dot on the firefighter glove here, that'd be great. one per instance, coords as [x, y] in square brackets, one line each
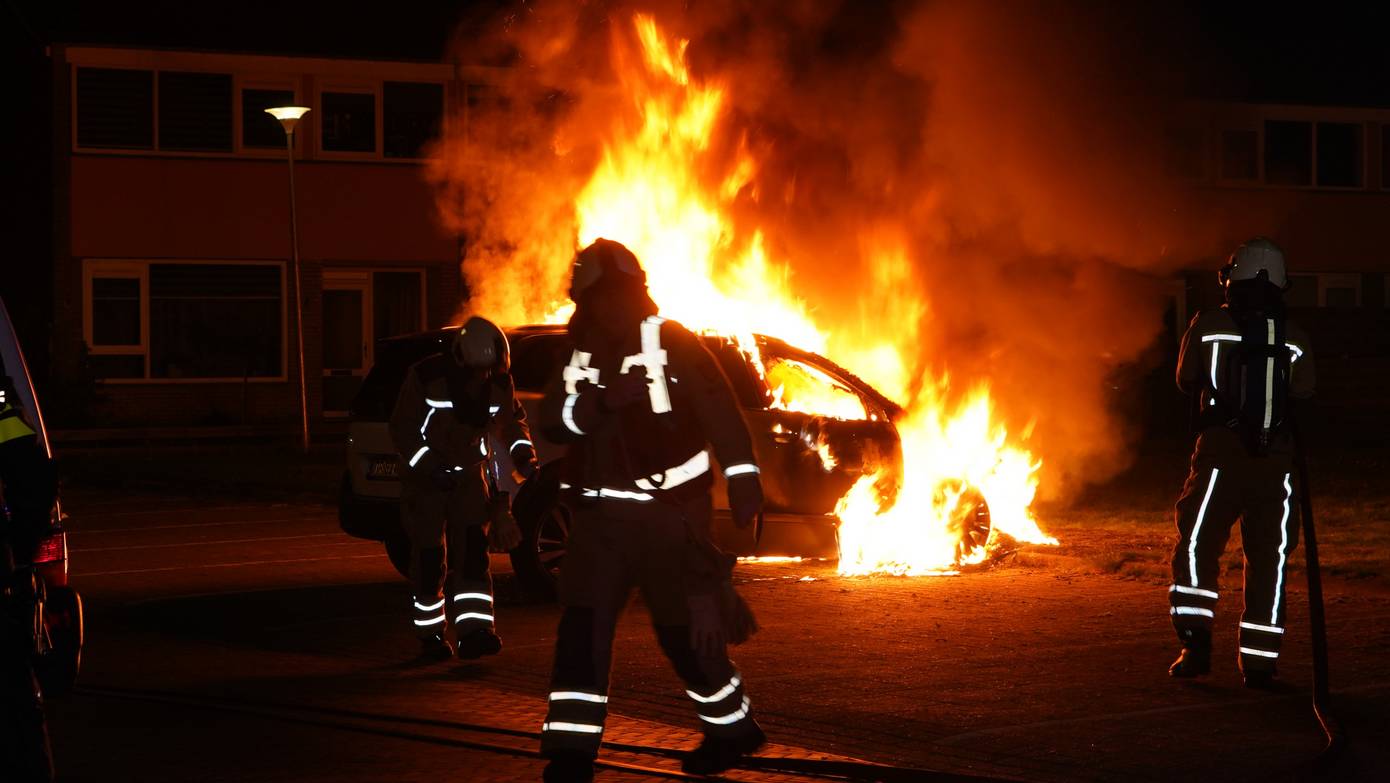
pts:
[629, 388]
[707, 636]
[503, 534]
[745, 499]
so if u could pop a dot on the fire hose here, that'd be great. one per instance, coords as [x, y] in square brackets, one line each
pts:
[1317, 619]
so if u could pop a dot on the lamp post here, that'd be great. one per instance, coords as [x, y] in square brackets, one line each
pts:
[289, 117]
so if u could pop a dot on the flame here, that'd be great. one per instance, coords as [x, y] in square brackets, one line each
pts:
[653, 191]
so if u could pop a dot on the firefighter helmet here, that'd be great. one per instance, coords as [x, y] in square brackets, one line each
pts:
[1258, 255]
[602, 260]
[480, 344]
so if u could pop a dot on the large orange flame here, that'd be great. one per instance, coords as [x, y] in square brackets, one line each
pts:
[653, 192]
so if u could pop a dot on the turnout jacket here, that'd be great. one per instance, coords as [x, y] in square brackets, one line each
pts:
[1209, 364]
[655, 448]
[433, 427]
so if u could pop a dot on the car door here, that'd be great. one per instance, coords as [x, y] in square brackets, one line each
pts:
[822, 432]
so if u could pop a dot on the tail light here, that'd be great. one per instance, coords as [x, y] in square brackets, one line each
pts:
[52, 549]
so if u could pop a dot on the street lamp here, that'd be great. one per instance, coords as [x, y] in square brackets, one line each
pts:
[289, 117]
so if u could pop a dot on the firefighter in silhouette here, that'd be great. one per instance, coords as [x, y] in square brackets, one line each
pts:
[1244, 363]
[30, 489]
[451, 406]
[639, 404]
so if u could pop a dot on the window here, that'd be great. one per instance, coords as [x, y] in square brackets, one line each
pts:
[116, 327]
[1184, 154]
[1339, 155]
[1337, 290]
[484, 101]
[116, 311]
[396, 304]
[797, 386]
[195, 111]
[185, 320]
[1342, 290]
[1240, 155]
[348, 120]
[115, 108]
[412, 112]
[1288, 153]
[258, 129]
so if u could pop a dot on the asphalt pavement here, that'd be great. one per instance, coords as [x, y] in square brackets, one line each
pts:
[234, 639]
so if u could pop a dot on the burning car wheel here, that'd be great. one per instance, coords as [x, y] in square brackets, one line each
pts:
[57, 669]
[970, 520]
[545, 526]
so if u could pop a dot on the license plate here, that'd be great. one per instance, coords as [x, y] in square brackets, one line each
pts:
[383, 469]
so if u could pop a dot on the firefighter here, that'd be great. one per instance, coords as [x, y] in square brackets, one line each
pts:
[449, 406]
[639, 404]
[1244, 363]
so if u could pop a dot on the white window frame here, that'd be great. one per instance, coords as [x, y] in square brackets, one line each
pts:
[444, 115]
[1365, 162]
[73, 109]
[258, 81]
[371, 87]
[120, 270]
[128, 268]
[1328, 280]
[347, 276]
[308, 77]
[157, 149]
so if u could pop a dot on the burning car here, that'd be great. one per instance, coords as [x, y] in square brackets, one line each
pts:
[818, 431]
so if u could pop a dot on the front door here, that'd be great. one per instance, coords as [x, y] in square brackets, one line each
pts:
[347, 343]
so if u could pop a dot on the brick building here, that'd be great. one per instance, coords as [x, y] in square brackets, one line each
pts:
[1317, 180]
[173, 295]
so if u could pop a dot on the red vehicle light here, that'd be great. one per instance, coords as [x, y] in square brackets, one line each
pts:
[51, 559]
[52, 549]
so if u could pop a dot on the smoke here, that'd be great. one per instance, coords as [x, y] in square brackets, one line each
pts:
[1001, 163]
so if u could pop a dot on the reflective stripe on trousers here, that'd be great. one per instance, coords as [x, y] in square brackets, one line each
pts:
[472, 610]
[724, 711]
[1192, 605]
[428, 615]
[574, 721]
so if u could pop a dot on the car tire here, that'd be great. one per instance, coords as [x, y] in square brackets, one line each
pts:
[398, 551]
[970, 524]
[545, 525]
[58, 668]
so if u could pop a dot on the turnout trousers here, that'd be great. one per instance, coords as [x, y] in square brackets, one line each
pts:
[448, 550]
[1226, 483]
[615, 546]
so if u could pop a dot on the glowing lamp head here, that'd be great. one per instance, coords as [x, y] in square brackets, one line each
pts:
[288, 116]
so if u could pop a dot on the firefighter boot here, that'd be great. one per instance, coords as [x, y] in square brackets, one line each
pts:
[717, 754]
[435, 648]
[569, 766]
[1195, 658]
[476, 644]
